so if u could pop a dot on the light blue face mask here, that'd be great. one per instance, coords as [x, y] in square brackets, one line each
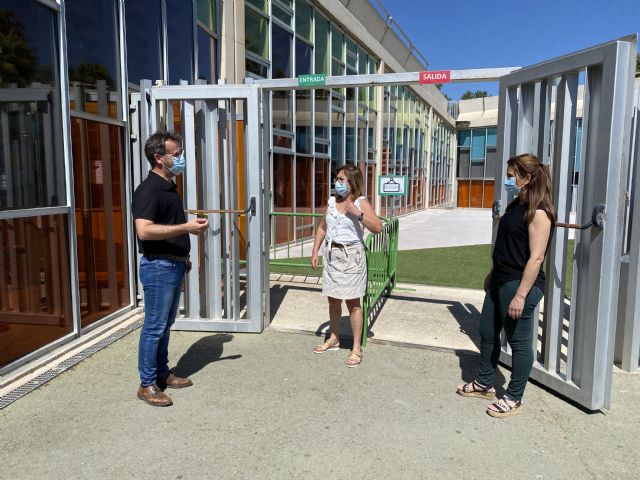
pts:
[179, 165]
[341, 189]
[510, 186]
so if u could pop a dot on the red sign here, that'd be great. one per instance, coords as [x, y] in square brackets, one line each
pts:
[435, 76]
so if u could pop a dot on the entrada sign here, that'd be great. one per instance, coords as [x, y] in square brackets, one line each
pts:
[435, 76]
[312, 80]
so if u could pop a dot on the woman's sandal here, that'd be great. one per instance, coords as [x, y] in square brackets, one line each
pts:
[326, 347]
[354, 360]
[474, 389]
[502, 408]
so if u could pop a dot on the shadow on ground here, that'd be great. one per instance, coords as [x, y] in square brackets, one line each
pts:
[205, 351]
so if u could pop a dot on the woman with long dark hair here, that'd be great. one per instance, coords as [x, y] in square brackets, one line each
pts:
[515, 285]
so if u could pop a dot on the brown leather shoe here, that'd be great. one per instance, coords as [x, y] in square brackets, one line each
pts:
[172, 381]
[154, 396]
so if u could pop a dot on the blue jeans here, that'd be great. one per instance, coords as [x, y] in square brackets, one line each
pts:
[493, 320]
[162, 282]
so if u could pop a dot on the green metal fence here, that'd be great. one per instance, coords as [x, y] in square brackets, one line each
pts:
[382, 265]
[293, 248]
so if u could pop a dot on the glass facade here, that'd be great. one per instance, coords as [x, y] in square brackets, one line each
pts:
[65, 260]
[315, 132]
[35, 286]
[66, 263]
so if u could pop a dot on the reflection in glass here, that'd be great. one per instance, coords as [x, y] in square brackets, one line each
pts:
[94, 72]
[303, 57]
[207, 13]
[257, 31]
[32, 164]
[337, 44]
[304, 184]
[257, 68]
[303, 121]
[322, 182]
[282, 196]
[281, 61]
[98, 170]
[322, 114]
[206, 56]
[303, 19]
[282, 110]
[337, 140]
[144, 51]
[179, 41]
[35, 294]
[322, 45]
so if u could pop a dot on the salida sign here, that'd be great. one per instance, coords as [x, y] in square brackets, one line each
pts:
[435, 76]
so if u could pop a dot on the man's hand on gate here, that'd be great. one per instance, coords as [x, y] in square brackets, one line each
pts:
[197, 225]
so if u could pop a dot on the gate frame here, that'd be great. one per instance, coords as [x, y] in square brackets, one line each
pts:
[207, 101]
[523, 126]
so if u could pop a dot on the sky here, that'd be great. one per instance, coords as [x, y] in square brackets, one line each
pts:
[465, 34]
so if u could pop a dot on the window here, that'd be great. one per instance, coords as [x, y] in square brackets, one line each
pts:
[179, 41]
[258, 26]
[478, 141]
[304, 53]
[94, 76]
[99, 186]
[303, 19]
[144, 51]
[322, 45]
[281, 59]
[32, 162]
[303, 121]
[206, 57]
[207, 14]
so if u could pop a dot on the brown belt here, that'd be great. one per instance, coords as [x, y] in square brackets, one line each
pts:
[165, 256]
[340, 245]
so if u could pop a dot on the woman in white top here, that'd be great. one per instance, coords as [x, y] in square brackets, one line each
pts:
[344, 276]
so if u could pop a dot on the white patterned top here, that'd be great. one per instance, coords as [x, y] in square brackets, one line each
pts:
[343, 228]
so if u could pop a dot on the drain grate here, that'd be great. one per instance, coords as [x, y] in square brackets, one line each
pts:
[43, 378]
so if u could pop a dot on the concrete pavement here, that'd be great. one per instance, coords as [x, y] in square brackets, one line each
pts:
[264, 406]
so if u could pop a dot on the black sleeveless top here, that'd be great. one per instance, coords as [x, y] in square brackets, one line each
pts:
[511, 251]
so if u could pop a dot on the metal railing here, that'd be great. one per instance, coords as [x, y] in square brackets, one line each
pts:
[289, 250]
[381, 254]
[382, 265]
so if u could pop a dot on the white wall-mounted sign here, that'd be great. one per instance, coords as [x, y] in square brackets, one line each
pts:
[392, 185]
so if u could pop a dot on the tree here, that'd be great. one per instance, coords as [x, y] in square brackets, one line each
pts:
[17, 60]
[90, 73]
[477, 94]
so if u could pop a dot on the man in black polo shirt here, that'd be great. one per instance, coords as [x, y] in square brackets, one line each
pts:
[163, 240]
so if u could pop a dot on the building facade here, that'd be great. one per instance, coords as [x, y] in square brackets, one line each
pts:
[476, 158]
[67, 251]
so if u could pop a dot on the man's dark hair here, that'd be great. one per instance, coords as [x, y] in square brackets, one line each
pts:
[156, 144]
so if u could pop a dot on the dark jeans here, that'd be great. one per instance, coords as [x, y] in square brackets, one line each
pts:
[519, 333]
[162, 282]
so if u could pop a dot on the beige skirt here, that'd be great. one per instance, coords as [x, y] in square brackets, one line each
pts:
[345, 272]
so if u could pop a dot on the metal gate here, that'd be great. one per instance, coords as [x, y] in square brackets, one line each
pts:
[227, 179]
[574, 340]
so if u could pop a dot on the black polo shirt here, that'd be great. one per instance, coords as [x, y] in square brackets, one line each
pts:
[157, 200]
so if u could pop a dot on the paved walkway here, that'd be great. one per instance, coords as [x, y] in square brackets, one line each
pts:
[264, 406]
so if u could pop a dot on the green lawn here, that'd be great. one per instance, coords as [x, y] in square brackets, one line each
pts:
[458, 267]
[461, 267]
